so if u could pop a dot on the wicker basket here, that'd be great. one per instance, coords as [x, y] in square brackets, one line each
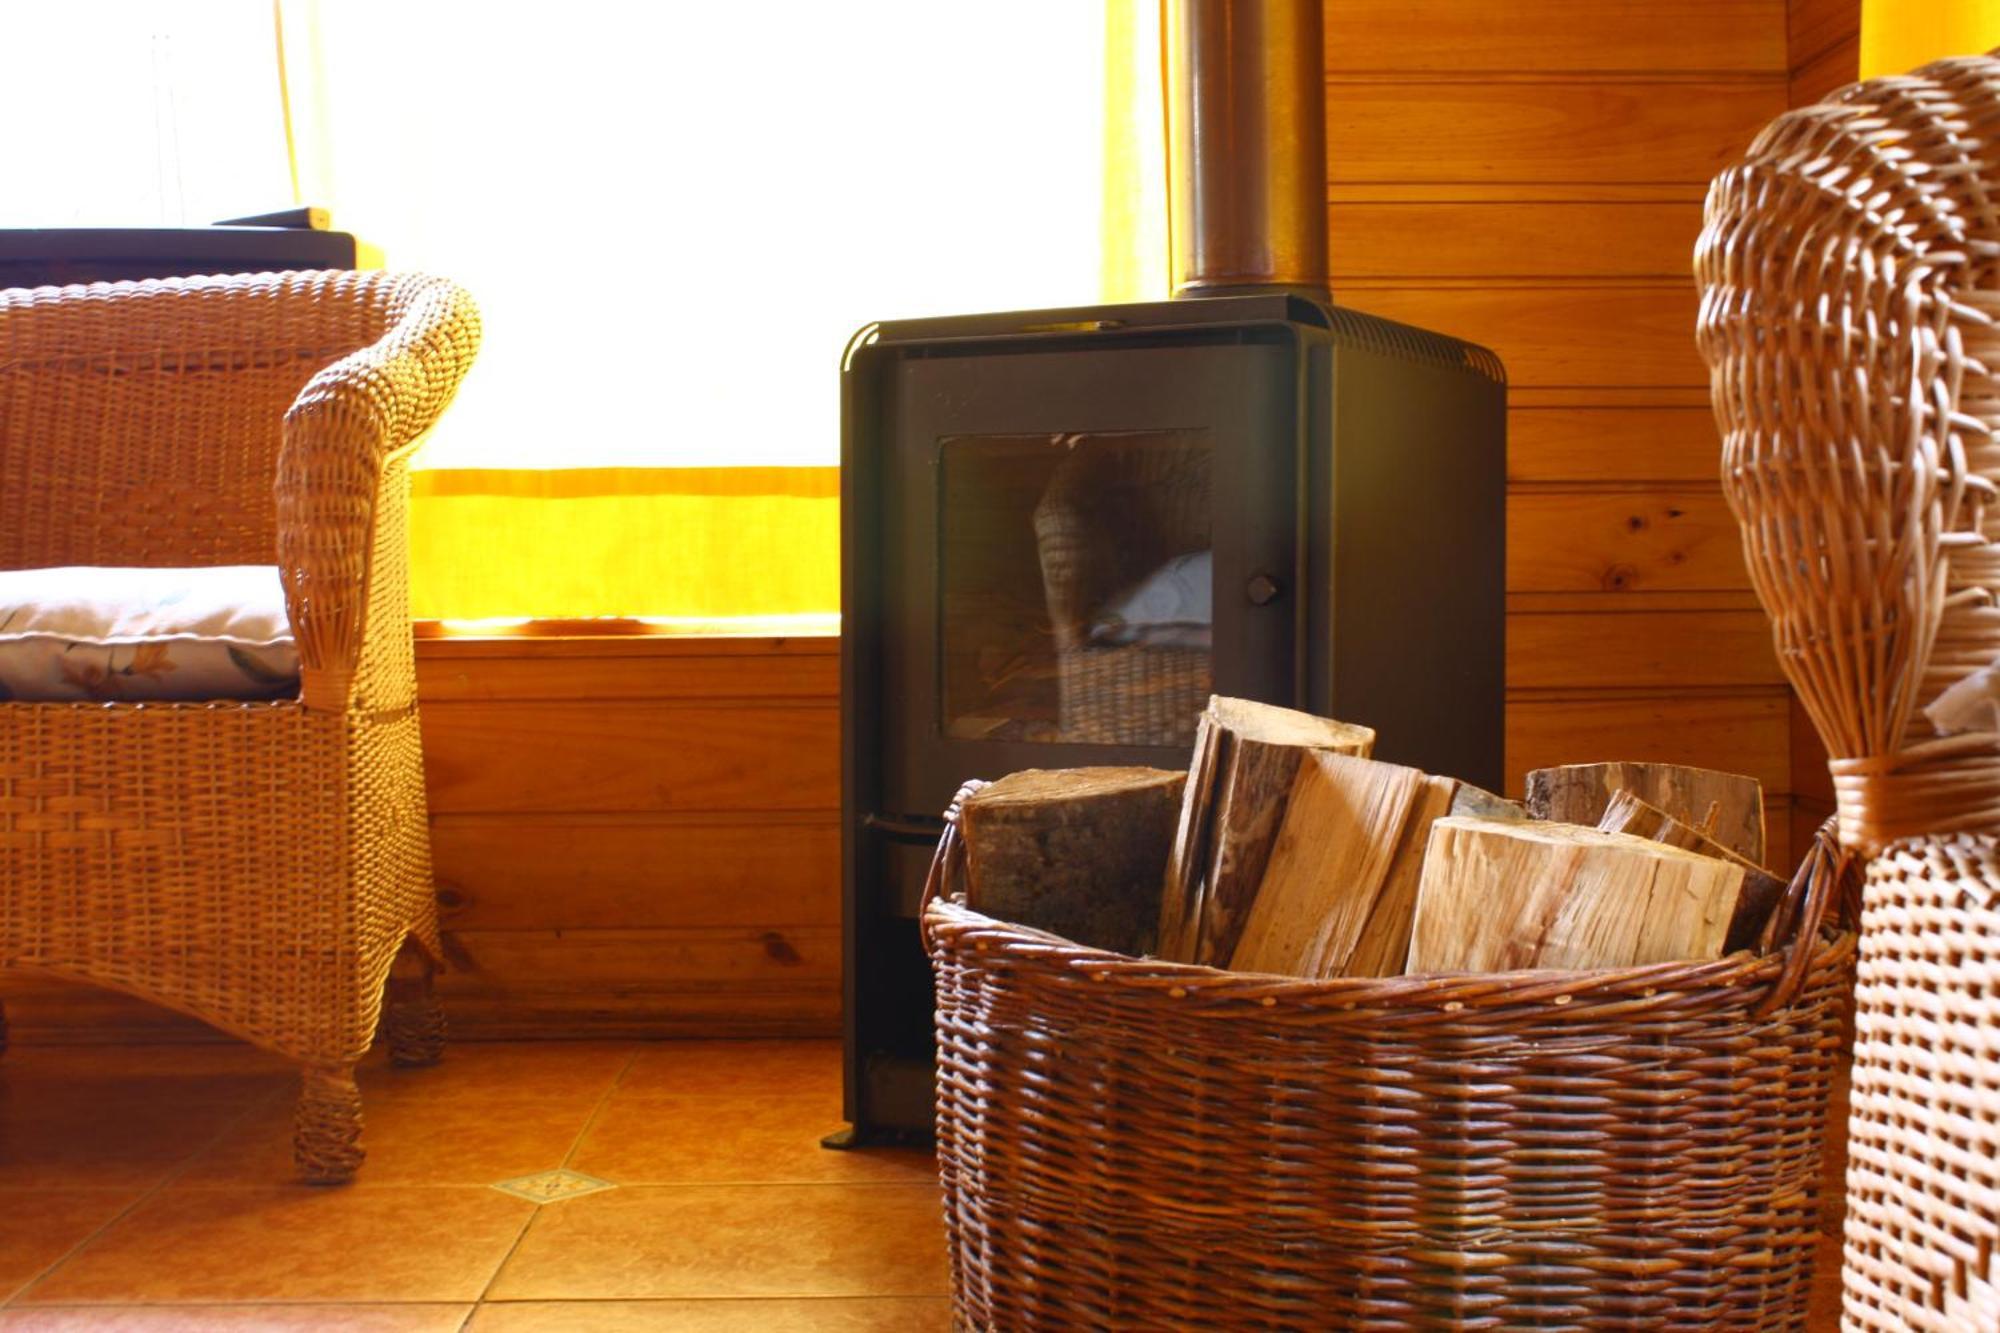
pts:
[1129, 1143]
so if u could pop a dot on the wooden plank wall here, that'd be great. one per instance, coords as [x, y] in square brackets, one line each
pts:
[1823, 44]
[1530, 176]
[633, 835]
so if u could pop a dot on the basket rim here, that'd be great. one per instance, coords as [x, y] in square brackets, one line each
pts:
[1733, 979]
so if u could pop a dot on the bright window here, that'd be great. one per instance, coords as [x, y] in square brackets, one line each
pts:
[140, 113]
[674, 215]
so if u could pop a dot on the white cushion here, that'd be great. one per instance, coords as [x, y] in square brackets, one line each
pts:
[1172, 607]
[90, 632]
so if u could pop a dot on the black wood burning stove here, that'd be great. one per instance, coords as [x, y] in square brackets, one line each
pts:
[1063, 530]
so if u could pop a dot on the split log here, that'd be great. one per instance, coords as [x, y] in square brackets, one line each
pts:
[1341, 883]
[1728, 807]
[1500, 895]
[1471, 800]
[1384, 947]
[1077, 852]
[1761, 889]
[1246, 757]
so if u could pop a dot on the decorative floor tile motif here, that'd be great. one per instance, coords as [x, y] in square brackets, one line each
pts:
[553, 1186]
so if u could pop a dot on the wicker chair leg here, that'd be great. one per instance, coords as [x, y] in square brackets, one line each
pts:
[413, 1020]
[326, 1138]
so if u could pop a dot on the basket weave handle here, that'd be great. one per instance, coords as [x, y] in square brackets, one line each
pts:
[946, 861]
[1825, 883]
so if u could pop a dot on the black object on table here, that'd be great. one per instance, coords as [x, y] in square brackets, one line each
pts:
[56, 256]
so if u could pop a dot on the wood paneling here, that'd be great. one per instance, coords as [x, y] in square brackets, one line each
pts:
[1814, 27]
[581, 755]
[1811, 779]
[607, 871]
[1501, 238]
[1831, 69]
[1613, 444]
[1550, 36]
[637, 835]
[1530, 177]
[668, 981]
[1415, 129]
[1622, 541]
[1823, 47]
[1736, 732]
[1558, 334]
[1582, 650]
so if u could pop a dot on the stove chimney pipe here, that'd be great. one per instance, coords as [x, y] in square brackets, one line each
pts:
[1246, 146]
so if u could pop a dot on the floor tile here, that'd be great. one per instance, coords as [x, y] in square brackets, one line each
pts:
[117, 1142]
[576, 1071]
[488, 1112]
[294, 1244]
[887, 1314]
[204, 1072]
[678, 1140]
[412, 1138]
[733, 1240]
[735, 1069]
[38, 1227]
[557, 1186]
[247, 1318]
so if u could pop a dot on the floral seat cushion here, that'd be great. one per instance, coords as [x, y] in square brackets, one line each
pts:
[83, 633]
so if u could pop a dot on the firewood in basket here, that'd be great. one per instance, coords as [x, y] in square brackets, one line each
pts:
[1579, 793]
[1246, 755]
[1077, 852]
[1471, 800]
[1500, 895]
[1338, 892]
[1761, 889]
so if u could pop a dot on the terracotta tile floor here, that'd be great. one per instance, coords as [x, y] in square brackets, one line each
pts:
[149, 1189]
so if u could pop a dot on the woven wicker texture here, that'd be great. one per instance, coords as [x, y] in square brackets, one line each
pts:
[258, 866]
[1851, 276]
[1130, 1143]
[1848, 273]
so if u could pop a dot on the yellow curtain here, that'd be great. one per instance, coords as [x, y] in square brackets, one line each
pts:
[1899, 35]
[697, 548]
[1134, 216]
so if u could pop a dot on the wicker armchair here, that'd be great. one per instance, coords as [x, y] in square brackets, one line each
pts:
[261, 866]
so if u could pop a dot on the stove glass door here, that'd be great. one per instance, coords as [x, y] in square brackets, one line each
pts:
[1076, 587]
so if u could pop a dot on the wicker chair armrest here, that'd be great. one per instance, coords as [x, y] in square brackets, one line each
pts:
[337, 493]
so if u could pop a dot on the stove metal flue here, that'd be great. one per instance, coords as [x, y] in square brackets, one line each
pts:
[1246, 150]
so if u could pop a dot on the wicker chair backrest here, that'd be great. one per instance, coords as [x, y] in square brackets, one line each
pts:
[145, 431]
[1849, 295]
